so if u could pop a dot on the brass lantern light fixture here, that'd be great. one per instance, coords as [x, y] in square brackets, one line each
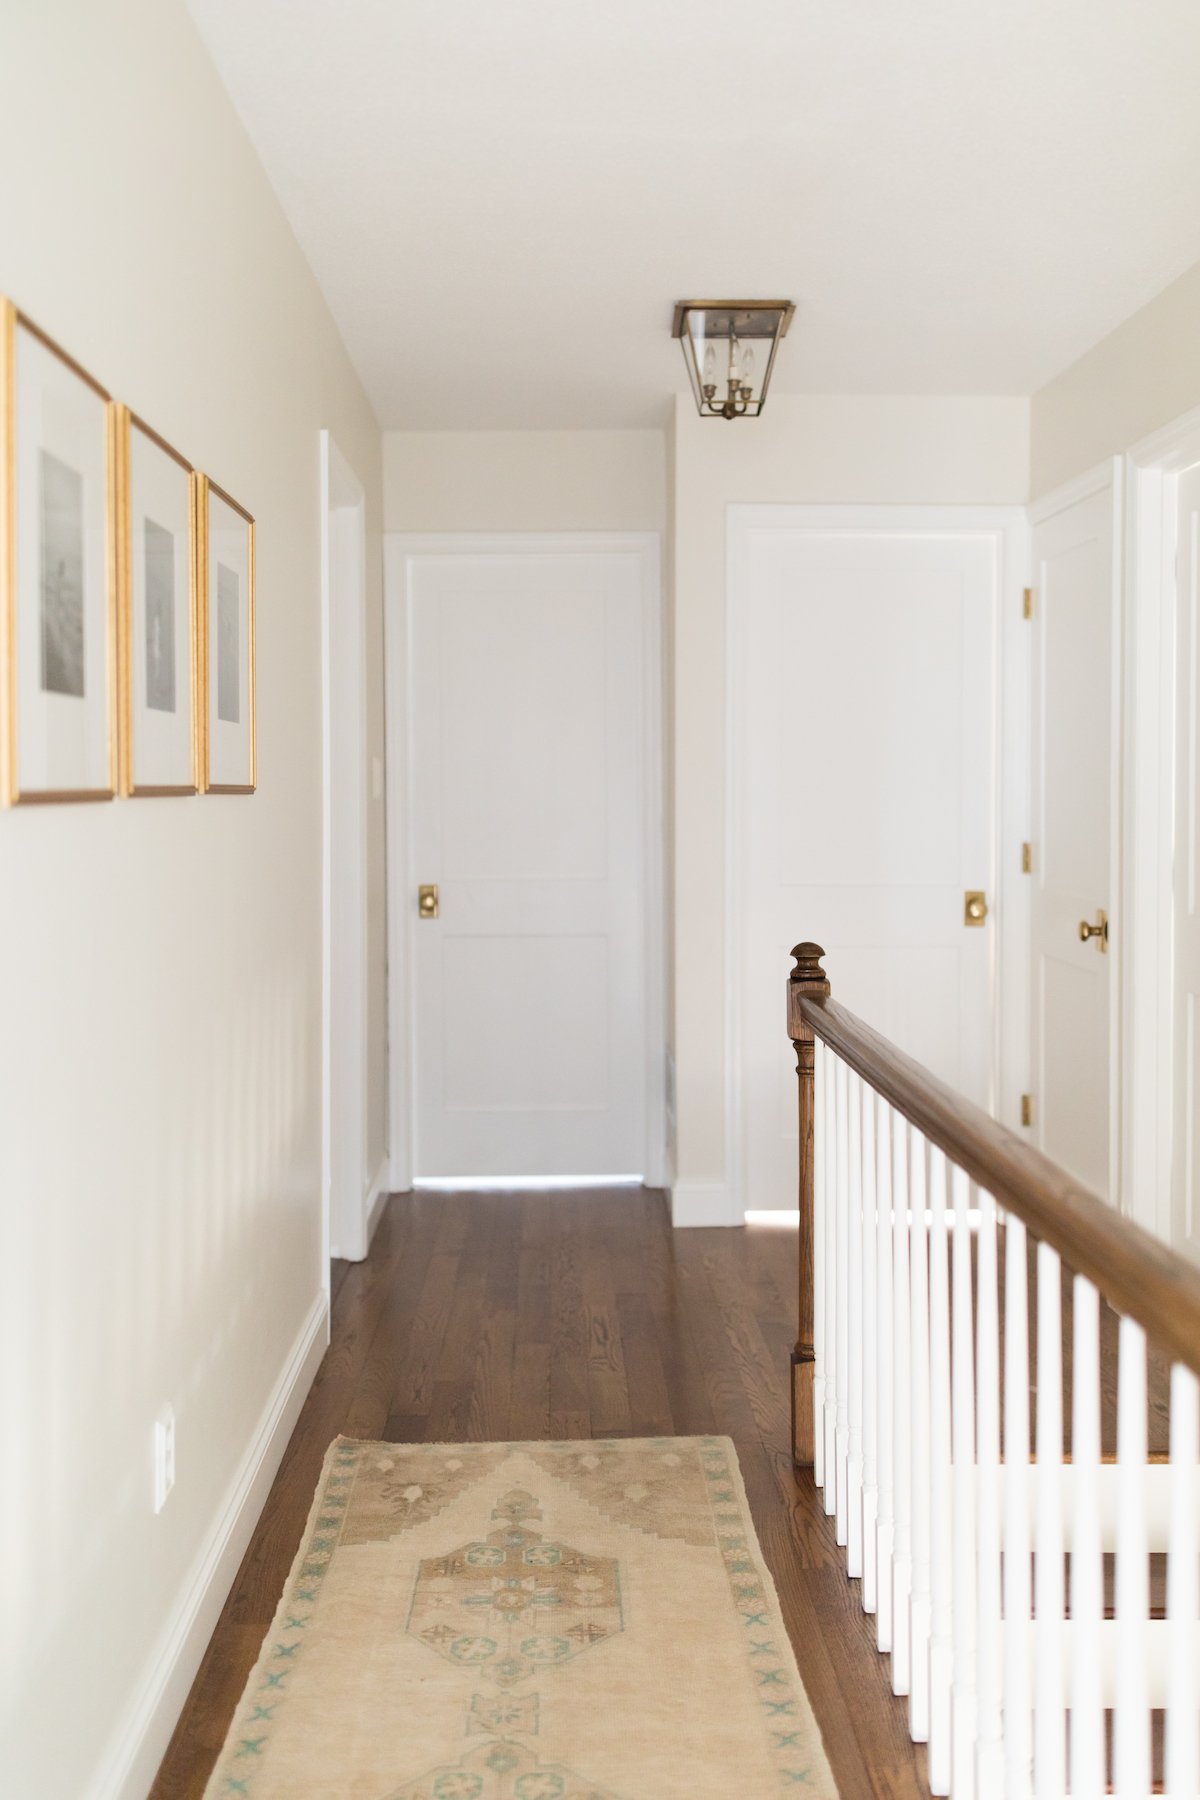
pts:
[729, 347]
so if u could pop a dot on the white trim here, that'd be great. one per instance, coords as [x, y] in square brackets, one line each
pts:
[377, 1197]
[1008, 527]
[1014, 893]
[1152, 468]
[1105, 477]
[343, 589]
[1080, 487]
[525, 1184]
[397, 661]
[140, 1741]
[704, 1203]
[400, 551]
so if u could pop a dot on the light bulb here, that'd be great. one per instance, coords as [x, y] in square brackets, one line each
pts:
[710, 363]
[747, 364]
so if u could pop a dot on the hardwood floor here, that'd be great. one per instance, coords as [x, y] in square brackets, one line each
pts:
[506, 1316]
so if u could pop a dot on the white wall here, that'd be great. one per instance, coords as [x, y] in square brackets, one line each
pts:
[1144, 375]
[160, 960]
[524, 481]
[892, 450]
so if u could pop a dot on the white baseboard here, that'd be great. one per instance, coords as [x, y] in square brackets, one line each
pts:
[381, 1187]
[704, 1203]
[138, 1745]
[376, 1197]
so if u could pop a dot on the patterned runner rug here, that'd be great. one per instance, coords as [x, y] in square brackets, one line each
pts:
[545, 1621]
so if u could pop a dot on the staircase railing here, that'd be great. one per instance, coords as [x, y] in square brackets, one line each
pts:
[995, 1385]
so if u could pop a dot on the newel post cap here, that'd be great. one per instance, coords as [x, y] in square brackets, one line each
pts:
[807, 958]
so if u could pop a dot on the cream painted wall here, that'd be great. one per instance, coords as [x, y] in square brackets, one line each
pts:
[831, 449]
[160, 960]
[524, 481]
[1145, 374]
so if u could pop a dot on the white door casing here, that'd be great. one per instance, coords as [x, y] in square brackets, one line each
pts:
[1160, 640]
[1185, 1183]
[865, 796]
[348, 1184]
[1075, 1057]
[528, 669]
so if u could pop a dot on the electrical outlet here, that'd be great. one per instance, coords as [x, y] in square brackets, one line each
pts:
[164, 1457]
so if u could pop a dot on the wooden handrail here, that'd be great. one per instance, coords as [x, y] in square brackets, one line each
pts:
[1140, 1276]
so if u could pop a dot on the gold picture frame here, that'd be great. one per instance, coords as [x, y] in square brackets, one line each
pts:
[141, 672]
[77, 524]
[228, 757]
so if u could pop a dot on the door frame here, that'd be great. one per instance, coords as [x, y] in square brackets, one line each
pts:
[401, 551]
[1008, 529]
[347, 1216]
[1151, 469]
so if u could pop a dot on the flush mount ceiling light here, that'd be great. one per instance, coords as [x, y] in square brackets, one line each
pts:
[729, 347]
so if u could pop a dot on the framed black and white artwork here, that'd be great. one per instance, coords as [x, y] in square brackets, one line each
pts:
[159, 664]
[225, 561]
[58, 659]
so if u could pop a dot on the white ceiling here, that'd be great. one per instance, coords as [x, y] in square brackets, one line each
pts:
[502, 201]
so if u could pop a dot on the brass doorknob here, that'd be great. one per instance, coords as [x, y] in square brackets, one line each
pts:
[427, 900]
[975, 907]
[1099, 931]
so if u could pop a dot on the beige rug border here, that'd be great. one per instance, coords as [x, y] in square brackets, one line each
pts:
[280, 1613]
[826, 1791]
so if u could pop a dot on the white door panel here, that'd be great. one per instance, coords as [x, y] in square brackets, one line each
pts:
[1186, 1140]
[527, 728]
[866, 803]
[1073, 698]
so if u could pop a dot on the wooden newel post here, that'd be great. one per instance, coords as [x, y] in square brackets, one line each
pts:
[807, 978]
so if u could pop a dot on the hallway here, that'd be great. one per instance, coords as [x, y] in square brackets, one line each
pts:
[510, 1316]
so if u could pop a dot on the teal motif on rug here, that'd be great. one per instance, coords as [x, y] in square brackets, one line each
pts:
[515, 1602]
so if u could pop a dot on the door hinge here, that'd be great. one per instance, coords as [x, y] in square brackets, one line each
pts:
[1027, 608]
[1026, 859]
[1027, 1109]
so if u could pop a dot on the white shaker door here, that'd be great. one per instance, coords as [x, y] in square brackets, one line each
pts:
[867, 803]
[527, 722]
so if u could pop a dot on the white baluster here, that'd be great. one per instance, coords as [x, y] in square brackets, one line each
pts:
[829, 1491]
[842, 1510]
[918, 1692]
[901, 1414]
[884, 1358]
[1131, 1713]
[1183, 1589]
[870, 1327]
[989, 1761]
[1018, 1605]
[964, 1692]
[854, 1449]
[1088, 1757]
[820, 1149]
[1049, 1759]
[941, 1549]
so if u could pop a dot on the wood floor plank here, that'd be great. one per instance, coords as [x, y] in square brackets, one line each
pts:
[530, 1392]
[608, 1385]
[570, 1412]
